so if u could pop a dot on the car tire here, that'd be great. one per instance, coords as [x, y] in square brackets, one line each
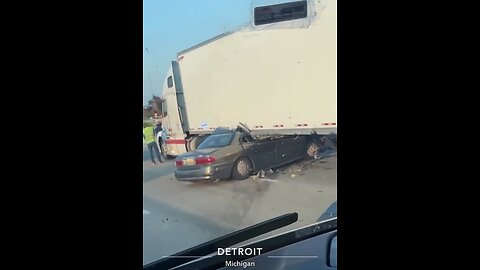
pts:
[312, 149]
[242, 169]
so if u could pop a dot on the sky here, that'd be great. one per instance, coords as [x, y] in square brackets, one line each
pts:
[171, 26]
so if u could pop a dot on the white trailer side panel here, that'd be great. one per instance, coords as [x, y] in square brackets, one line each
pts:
[265, 78]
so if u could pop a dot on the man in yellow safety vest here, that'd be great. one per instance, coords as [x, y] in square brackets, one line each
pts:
[149, 139]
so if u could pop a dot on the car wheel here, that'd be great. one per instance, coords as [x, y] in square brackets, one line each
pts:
[312, 149]
[242, 169]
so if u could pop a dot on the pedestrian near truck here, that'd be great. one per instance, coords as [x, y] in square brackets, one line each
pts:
[149, 139]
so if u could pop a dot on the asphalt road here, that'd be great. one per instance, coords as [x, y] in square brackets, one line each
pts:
[178, 215]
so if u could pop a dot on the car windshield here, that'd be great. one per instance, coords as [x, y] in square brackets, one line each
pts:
[214, 141]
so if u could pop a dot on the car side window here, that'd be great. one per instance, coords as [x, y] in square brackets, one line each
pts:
[224, 140]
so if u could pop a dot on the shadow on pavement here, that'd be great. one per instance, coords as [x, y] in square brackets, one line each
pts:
[152, 172]
[167, 229]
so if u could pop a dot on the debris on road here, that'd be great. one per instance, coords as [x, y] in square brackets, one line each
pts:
[325, 154]
[262, 174]
[298, 168]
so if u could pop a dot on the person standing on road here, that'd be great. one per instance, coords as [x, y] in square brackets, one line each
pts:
[149, 139]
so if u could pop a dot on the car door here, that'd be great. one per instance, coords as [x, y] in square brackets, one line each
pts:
[289, 149]
[262, 153]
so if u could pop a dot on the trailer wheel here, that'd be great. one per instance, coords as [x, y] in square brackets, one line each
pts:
[189, 142]
[312, 149]
[242, 169]
[163, 149]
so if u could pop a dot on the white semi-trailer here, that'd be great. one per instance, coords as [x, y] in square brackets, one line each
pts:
[277, 74]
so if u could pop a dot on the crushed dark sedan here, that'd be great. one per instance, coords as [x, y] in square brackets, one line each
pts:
[236, 154]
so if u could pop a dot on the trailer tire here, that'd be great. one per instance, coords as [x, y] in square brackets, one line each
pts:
[194, 142]
[242, 168]
[163, 149]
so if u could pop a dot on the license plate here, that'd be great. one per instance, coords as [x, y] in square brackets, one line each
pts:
[189, 161]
